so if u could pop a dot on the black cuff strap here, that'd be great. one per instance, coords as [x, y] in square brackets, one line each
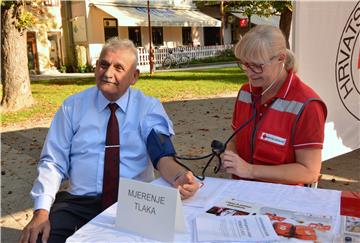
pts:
[158, 146]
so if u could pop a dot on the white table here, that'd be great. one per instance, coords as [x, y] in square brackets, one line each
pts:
[296, 198]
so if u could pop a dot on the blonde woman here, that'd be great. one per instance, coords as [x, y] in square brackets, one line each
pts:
[282, 118]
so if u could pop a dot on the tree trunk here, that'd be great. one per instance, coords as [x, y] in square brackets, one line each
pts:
[15, 78]
[285, 24]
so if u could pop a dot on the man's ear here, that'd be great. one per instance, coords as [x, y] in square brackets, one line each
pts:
[135, 77]
[96, 67]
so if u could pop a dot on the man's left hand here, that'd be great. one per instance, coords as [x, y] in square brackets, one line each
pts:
[187, 184]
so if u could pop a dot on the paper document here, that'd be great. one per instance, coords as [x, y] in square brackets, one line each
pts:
[234, 207]
[290, 198]
[208, 191]
[245, 228]
[287, 224]
[350, 229]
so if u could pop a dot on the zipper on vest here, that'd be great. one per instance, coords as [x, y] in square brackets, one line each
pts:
[253, 141]
[253, 135]
[256, 126]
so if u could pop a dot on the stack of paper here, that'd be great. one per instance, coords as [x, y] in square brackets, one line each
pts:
[286, 224]
[245, 228]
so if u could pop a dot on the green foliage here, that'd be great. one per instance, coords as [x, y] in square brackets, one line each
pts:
[62, 69]
[200, 3]
[25, 20]
[227, 53]
[30, 14]
[248, 8]
[72, 69]
[280, 6]
[223, 56]
[7, 4]
[166, 86]
[85, 68]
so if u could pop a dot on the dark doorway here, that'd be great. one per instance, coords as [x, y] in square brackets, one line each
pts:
[54, 49]
[110, 28]
[33, 61]
[211, 36]
[186, 36]
[157, 36]
[135, 35]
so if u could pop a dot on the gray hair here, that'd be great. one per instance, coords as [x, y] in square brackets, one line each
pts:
[115, 43]
[262, 43]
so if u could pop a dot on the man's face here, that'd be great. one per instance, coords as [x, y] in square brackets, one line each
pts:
[115, 72]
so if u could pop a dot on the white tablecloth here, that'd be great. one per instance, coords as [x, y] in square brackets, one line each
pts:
[295, 198]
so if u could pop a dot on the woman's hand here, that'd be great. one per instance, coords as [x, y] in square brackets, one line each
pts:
[233, 164]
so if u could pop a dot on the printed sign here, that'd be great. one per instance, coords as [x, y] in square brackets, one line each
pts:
[347, 64]
[327, 47]
[149, 210]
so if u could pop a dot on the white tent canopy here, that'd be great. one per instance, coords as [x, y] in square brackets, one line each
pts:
[137, 16]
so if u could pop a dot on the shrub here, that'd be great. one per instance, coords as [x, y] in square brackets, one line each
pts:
[223, 56]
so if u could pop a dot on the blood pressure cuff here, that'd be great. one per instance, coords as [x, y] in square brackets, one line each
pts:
[158, 146]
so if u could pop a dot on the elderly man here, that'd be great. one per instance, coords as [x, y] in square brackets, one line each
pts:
[97, 135]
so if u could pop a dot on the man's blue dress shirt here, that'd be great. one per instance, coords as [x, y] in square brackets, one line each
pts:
[74, 148]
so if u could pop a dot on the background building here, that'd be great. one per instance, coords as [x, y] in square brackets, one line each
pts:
[173, 23]
[70, 34]
[44, 40]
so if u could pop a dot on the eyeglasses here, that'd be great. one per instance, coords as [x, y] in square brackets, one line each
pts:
[255, 68]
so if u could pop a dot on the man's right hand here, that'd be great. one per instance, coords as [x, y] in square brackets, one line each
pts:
[39, 224]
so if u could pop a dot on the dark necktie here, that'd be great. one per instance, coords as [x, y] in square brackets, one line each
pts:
[111, 161]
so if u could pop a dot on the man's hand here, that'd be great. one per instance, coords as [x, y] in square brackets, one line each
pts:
[233, 164]
[187, 184]
[39, 224]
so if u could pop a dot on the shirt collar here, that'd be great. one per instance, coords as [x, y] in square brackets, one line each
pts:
[122, 102]
[283, 91]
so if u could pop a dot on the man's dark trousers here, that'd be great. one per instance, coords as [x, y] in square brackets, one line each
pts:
[69, 213]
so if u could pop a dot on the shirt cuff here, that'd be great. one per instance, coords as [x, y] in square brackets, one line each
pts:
[43, 202]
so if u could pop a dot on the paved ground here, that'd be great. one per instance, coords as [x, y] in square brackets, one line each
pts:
[196, 122]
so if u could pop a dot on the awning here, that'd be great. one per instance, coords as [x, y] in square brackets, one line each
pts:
[256, 19]
[137, 16]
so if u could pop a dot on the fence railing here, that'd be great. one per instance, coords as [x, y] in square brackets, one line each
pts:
[199, 52]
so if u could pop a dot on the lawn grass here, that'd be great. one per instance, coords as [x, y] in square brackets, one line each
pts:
[166, 86]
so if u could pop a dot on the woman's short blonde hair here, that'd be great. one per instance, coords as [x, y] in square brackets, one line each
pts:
[262, 43]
